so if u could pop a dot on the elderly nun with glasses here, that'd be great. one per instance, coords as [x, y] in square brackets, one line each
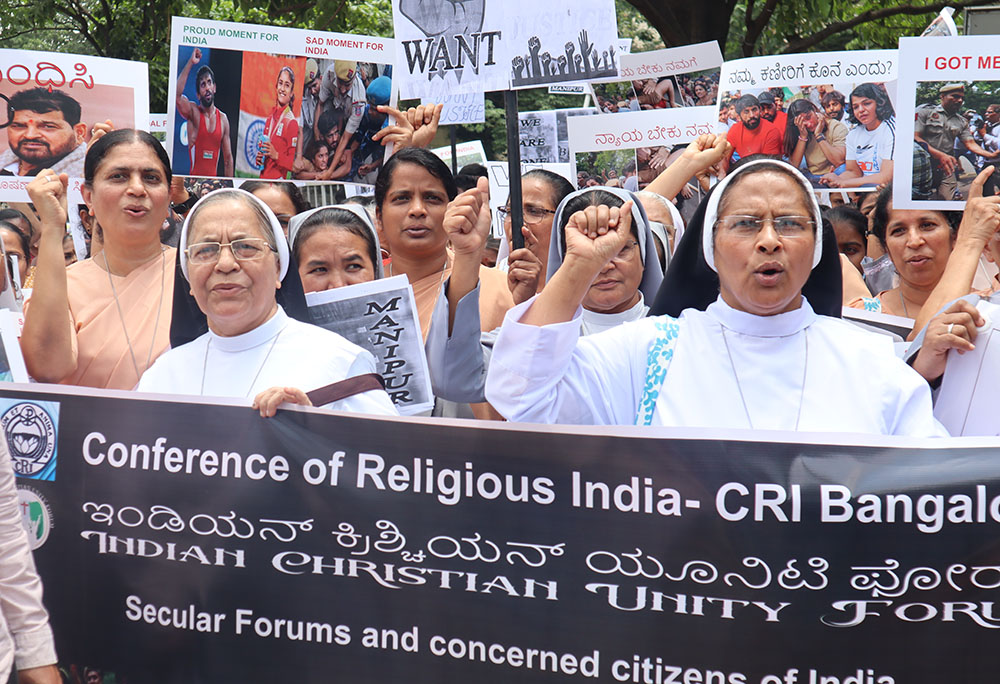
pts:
[234, 257]
[758, 356]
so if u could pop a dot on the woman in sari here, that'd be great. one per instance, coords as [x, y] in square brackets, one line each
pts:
[104, 320]
[411, 195]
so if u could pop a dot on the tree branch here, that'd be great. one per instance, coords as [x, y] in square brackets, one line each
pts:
[755, 26]
[814, 39]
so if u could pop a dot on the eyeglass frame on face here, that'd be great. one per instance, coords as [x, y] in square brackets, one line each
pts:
[758, 224]
[218, 254]
[537, 214]
[625, 253]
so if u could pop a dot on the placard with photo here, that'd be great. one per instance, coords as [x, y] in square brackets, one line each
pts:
[630, 150]
[830, 114]
[276, 103]
[949, 100]
[52, 101]
[686, 76]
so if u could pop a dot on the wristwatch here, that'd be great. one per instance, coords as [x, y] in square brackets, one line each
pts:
[820, 137]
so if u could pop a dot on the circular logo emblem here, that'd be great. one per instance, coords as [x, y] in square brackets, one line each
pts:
[36, 515]
[31, 437]
[251, 144]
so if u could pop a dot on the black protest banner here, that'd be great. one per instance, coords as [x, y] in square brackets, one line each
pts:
[191, 543]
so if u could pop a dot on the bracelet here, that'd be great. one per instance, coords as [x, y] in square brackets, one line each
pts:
[803, 139]
[820, 138]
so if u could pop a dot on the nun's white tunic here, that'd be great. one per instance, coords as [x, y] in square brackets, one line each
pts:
[282, 352]
[727, 369]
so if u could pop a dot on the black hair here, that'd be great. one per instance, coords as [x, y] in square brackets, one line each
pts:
[746, 101]
[9, 214]
[421, 157]
[289, 189]
[847, 214]
[330, 118]
[203, 71]
[559, 186]
[466, 181]
[42, 101]
[833, 96]
[291, 75]
[122, 136]
[477, 170]
[791, 133]
[880, 216]
[21, 237]
[340, 218]
[883, 107]
[313, 148]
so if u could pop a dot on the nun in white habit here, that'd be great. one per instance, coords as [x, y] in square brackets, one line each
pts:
[757, 357]
[234, 257]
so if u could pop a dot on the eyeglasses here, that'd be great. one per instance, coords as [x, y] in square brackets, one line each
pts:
[244, 249]
[748, 226]
[626, 252]
[532, 215]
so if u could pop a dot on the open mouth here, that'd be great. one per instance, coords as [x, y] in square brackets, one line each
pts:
[769, 273]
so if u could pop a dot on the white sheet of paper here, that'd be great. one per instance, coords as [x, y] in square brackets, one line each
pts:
[968, 401]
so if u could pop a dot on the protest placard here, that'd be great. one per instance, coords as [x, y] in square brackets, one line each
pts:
[381, 316]
[630, 150]
[52, 101]
[970, 388]
[313, 543]
[686, 76]
[464, 108]
[945, 87]
[544, 135]
[832, 112]
[158, 127]
[471, 152]
[271, 102]
[446, 49]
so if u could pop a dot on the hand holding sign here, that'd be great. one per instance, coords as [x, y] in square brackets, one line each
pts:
[523, 273]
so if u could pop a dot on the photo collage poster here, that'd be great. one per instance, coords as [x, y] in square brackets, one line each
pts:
[258, 102]
[830, 114]
[52, 102]
[686, 76]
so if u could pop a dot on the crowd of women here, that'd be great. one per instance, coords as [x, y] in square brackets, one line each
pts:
[604, 316]
[613, 311]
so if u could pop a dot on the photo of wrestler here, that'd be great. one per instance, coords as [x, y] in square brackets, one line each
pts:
[203, 133]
